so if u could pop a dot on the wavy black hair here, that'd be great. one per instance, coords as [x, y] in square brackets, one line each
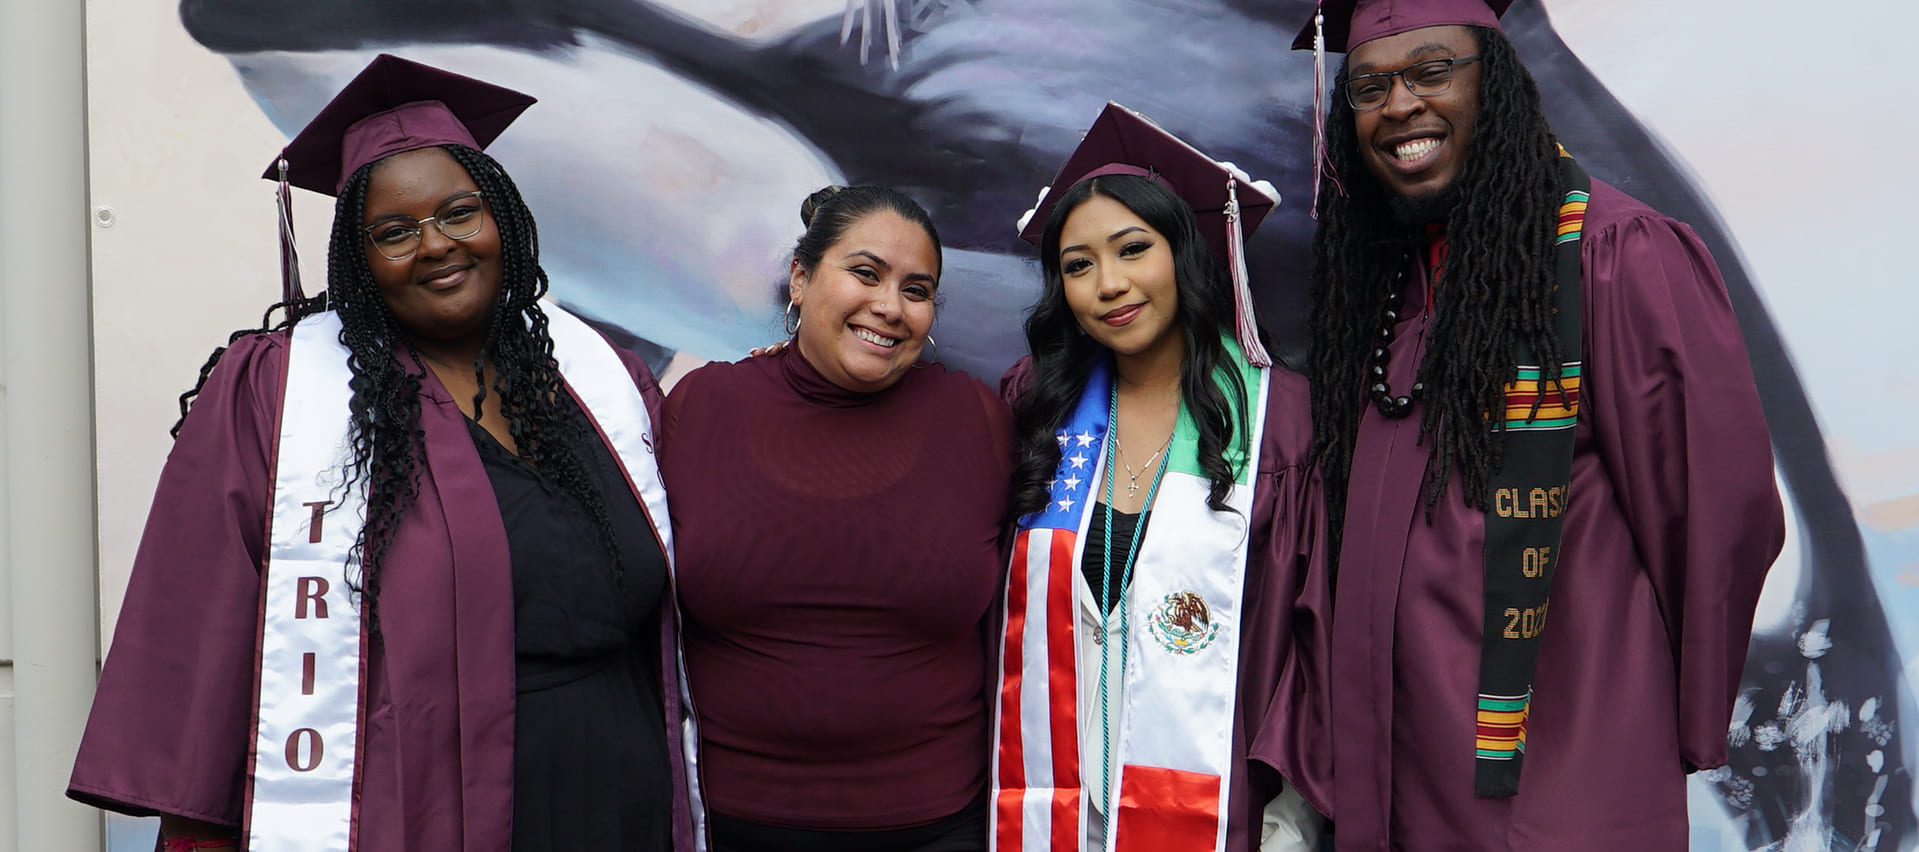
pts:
[1497, 285]
[386, 439]
[1063, 355]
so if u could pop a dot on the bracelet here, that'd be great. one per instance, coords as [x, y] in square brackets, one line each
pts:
[188, 844]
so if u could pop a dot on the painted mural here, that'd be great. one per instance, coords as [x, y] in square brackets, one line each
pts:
[674, 141]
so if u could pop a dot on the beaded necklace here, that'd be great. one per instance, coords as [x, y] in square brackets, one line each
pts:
[1391, 406]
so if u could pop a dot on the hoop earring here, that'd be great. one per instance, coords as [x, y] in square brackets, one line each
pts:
[936, 348]
[792, 318]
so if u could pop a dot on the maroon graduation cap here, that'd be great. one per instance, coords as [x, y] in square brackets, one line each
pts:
[394, 105]
[1226, 202]
[1348, 23]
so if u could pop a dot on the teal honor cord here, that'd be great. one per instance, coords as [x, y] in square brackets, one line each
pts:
[1125, 597]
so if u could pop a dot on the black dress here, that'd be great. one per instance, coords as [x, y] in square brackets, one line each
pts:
[590, 757]
[1093, 555]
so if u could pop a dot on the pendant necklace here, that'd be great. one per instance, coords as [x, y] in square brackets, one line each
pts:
[1132, 476]
[1106, 608]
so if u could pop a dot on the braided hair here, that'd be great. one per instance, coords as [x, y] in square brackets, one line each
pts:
[386, 440]
[1063, 355]
[1498, 284]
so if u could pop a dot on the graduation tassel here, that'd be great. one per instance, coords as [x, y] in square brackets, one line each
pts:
[290, 291]
[1322, 169]
[1244, 326]
[1319, 105]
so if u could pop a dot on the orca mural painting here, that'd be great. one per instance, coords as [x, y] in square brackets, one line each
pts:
[668, 156]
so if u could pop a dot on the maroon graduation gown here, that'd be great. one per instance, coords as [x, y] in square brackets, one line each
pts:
[1279, 728]
[171, 722]
[1673, 520]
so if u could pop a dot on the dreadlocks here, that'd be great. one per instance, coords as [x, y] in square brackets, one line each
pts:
[386, 439]
[1497, 284]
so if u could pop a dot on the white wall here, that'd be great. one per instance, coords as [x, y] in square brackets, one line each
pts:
[47, 640]
[191, 256]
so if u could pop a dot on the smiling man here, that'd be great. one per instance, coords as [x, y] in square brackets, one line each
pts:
[1530, 396]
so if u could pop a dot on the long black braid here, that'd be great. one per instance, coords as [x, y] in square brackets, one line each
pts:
[1063, 355]
[386, 439]
[1497, 284]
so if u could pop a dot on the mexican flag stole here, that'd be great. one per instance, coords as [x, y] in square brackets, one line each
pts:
[303, 779]
[1526, 511]
[1173, 731]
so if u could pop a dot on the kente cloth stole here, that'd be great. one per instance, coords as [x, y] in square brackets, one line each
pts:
[1526, 511]
[303, 775]
[1173, 735]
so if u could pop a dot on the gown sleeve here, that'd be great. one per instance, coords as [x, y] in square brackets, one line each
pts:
[1678, 424]
[643, 379]
[1013, 384]
[1291, 637]
[170, 723]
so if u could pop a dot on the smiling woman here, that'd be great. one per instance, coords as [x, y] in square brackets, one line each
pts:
[869, 291]
[436, 254]
[396, 589]
[838, 508]
[1166, 500]
[443, 289]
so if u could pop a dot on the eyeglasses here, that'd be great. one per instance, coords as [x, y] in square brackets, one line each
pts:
[1425, 79]
[459, 218]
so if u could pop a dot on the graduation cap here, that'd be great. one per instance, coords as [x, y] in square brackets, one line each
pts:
[1348, 23]
[1226, 202]
[1341, 25]
[393, 106]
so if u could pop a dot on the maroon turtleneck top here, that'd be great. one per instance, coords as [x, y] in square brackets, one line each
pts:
[838, 558]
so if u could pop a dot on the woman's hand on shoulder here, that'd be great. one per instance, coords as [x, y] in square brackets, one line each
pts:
[774, 348]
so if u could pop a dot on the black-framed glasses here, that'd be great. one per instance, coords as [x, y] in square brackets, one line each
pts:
[1425, 79]
[459, 218]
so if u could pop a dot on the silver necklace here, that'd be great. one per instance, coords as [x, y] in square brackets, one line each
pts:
[1132, 476]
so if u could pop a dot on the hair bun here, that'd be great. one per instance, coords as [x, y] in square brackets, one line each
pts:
[814, 202]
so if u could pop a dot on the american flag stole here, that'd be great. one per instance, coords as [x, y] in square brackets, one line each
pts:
[1170, 791]
[1526, 511]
